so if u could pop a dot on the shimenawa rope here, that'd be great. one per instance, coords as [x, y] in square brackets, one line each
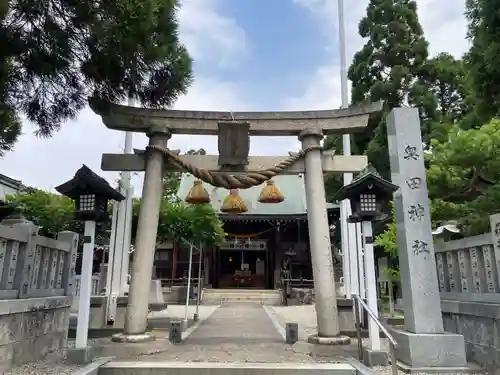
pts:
[225, 179]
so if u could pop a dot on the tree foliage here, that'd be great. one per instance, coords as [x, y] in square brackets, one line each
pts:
[483, 58]
[56, 54]
[457, 99]
[178, 220]
[52, 212]
[464, 176]
[456, 169]
[388, 68]
[393, 66]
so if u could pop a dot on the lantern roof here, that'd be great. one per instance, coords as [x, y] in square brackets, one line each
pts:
[367, 179]
[86, 181]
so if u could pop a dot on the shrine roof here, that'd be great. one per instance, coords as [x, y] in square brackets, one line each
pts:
[291, 186]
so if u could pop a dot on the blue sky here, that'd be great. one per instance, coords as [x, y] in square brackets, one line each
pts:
[283, 46]
[249, 55]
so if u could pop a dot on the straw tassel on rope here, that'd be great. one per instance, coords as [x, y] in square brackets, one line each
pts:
[271, 194]
[233, 204]
[198, 194]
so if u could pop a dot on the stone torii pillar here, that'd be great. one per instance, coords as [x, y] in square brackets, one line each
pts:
[159, 125]
[145, 243]
[319, 239]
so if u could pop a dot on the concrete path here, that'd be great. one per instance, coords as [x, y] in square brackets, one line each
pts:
[236, 324]
[237, 333]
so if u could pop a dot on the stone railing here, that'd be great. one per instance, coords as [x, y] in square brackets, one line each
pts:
[467, 266]
[468, 274]
[96, 279]
[36, 287]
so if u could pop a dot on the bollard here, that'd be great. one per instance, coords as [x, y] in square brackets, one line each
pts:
[292, 333]
[175, 332]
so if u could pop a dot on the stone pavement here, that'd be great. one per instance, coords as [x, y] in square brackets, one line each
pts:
[243, 333]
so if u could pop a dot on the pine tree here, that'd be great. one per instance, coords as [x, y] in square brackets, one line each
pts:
[57, 53]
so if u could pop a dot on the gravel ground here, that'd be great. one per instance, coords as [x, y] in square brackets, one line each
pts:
[305, 316]
[52, 365]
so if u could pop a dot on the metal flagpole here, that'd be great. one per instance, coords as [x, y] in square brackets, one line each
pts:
[349, 240]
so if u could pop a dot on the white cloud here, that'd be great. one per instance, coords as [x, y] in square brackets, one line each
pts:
[210, 36]
[444, 26]
[45, 163]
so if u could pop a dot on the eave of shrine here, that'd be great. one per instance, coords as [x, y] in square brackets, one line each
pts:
[280, 123]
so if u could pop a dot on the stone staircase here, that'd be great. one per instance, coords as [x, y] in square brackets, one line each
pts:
[255, 296]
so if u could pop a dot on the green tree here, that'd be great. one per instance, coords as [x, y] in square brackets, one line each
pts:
[52, 212]
[56, 54]
[463, 179]
[178, 220]
[444, 77]
[388, 68]
[483, 59]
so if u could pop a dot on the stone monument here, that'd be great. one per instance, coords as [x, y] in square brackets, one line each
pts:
[423, 342]
[309, 126]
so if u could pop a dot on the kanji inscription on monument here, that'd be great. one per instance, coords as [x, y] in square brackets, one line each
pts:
[464, 270]
[489, 269]
[474, 262]
[414, 237]
[440, 270]
[452, 271]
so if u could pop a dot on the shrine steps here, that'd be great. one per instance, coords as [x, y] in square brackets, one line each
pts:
[268, 297]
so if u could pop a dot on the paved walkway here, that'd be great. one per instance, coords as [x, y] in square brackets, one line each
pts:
[243, 324]
[236, 333]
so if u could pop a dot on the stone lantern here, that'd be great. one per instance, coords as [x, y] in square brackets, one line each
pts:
[91, 194]
[367, 193]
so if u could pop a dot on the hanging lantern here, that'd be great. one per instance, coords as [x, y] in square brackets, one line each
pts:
[271, 194]
[233, 204]
[198, 194]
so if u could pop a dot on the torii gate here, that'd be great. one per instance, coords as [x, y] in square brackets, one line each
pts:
[309, 126]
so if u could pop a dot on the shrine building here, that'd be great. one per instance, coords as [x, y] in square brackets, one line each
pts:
[257, 240]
